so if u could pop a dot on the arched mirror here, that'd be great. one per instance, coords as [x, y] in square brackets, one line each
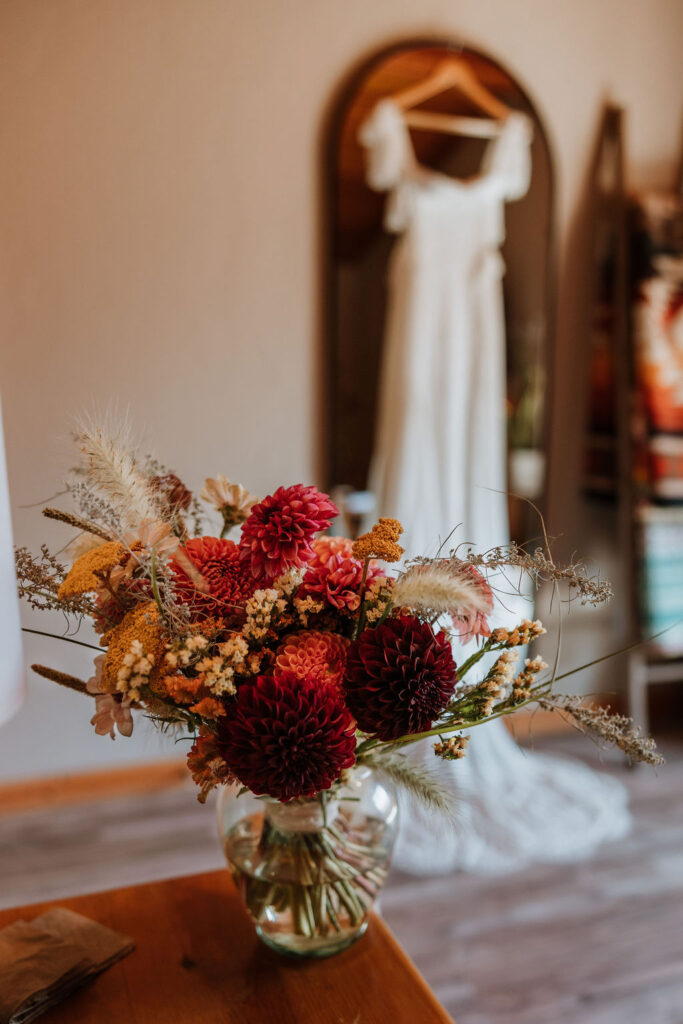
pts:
[359, 248]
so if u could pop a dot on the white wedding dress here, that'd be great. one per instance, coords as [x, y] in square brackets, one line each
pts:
[439, 466]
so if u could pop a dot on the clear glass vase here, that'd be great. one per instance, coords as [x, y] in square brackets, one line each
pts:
[310, 870]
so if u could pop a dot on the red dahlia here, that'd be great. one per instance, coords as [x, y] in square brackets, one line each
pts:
[279, 531]
[287, 737]
[399, 677]
[218, 563]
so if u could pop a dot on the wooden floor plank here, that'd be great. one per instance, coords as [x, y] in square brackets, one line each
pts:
[35, 794]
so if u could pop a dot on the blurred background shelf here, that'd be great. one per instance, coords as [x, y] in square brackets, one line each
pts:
[634, 439]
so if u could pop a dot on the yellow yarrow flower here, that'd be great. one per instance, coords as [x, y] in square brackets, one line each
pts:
[142, 623]
[380, 542]
[87, 571]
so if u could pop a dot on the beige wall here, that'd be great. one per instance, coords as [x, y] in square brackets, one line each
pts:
[159, 218]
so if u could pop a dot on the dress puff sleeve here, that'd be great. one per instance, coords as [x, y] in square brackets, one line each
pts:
[508, 167]
[384, 137]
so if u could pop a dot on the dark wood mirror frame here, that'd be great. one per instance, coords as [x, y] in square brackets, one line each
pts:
[357, 249]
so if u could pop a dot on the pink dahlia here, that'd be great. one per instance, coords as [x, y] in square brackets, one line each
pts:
[322, 656]
[287, 737]
[279, 531]
[399, 677]
[218, 585]
[337, 582]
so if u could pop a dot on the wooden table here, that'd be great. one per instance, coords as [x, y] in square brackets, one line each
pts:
[198, 960]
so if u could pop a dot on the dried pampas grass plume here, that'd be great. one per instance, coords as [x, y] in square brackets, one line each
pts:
[437, 588]
[111, 467]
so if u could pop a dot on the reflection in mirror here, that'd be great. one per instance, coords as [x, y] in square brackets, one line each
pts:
[361, 248]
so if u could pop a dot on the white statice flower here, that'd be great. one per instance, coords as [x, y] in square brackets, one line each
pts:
[186, 652]
[378, 597]
[221, 669]
[305, 607]
[289, 582]
[218, 675]
[135, 671]
[262, 609]
[501, 675]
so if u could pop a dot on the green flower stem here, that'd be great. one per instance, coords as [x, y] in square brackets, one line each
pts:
[345, 843]
[476, 657]
[57, 636]
[445, 727]
[385, 614]
[365, 747]
[348, 898]
[318, 895]
[155, 585]
[330, 909]
[613, 654]
[361, 614]
[330, 888]
[298, 920]
[309, 916]
[46, 594]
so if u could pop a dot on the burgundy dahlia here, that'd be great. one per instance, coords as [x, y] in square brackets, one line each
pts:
[399, 677]
[287, 737]
[226, 584]
[279, 531]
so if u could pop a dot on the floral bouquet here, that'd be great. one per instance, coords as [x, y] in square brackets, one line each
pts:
[296, 663]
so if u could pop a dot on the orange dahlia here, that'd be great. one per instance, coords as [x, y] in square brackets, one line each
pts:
[322, 656]
[218, 563]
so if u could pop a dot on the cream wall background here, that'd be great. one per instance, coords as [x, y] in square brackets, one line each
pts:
[159, 218]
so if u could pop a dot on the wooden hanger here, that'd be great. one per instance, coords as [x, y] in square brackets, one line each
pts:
[453, 73]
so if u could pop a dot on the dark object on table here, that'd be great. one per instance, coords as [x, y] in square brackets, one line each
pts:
[42, 961]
